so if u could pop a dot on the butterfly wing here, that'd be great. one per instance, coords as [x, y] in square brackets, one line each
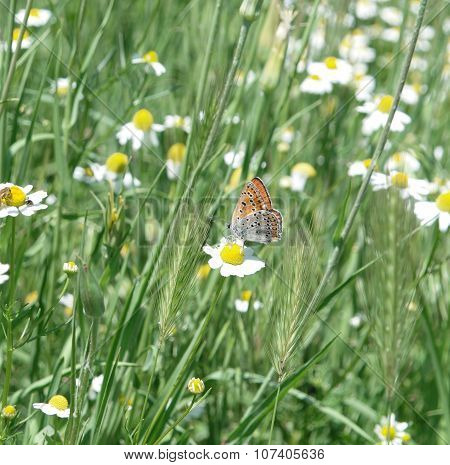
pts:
[263, 226]
[254, 197]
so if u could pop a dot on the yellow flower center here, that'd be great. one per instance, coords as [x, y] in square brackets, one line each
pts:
[305, 169]
[13, 196]
[59, 402]
[367, 162]
[176, 152]
[151, 57]
[9, 411]
[31, 297]
[406, 437]
[35, 12]
[117, 162]
[143, 119]
[16, 32]
[246, 295]
[398, 157]
[314, 77]
[62, 89]
[400, 180]
[443, 202]
[88, 172]
[388, 432]
[385, 103]
[68, 312]
[417, 87]
[232, 254]
[358, 76]
[330, 62]
[203, 271]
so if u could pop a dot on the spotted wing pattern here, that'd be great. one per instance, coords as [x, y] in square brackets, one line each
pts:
[253, 218]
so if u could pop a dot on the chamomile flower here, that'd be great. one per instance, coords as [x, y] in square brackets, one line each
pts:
[402, 161]
[411, 93]
[359, 167]
[136, 131]
[70, 268]
[235, 158]
[89, 174]
[366, 9]
[116, 171]
[332, 69]
[356, 320]
[196, 386]
[408, 187]
[354, 48]
[95, 387]
[233, 258]
[390, 34]
[377, 111]
[300, 173]
[242, 305]
[429, 212]
[285, 138]
[3, 270]
[9, 412]
[390, 431]
[61, 86]
[175, 158]
[57, 405]
[391, 15]
[151, 61]
[67, 301]
[364, 85]
[15, 200]
[27, 41]
[180, 122]
[315, 84]
[38, 17]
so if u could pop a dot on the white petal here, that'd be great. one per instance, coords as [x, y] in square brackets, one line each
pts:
[63, 413]
[3, 268]
[27, 189]
[3, 278]
[49, 410]
[9, 211]
[444, 221]
[158, 68]
[37, 197]
[241, 305]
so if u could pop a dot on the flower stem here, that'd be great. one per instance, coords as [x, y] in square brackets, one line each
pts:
[274, 413]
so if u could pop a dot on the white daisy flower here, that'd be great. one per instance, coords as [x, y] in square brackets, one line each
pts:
[391, 15]
[408, 187]
[333, 69]
[61, 86]
[300, 173]
[37, 17]
[115, 170]
[285, 137]
[411, 93]
[377, 112]
[90, 174]
[15, 199]
[235, 158]
[402, 161]
[95, 387]
[429, 212]
[364, 85]
[27, 41]
[359, 168]
[180, 122]
[175, 158]
[366, 9]
[57, 405]
[67, 301]
[151, 62]
[138, 129]
[354, 48]
[314, 84]
[390, 34]
[3, 270]
[233, 258]
[242, 305]
[70, 268]
[438, 152]
[392, 432]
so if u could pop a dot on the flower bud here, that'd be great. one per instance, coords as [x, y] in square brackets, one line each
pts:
[70, 268]
[196, 386]
[249, 9]
[9, 412]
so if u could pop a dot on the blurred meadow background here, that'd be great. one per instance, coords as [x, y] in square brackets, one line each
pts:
[128, 313]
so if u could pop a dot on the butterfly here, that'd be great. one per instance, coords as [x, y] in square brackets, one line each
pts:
[253, 218]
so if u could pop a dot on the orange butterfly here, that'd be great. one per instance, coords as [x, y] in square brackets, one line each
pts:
[254, 219]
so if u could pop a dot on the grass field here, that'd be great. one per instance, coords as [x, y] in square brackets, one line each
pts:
[132, 314]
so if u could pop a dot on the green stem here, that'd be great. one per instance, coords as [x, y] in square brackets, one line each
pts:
[274, 413]
[12, 65]
[149, 387]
